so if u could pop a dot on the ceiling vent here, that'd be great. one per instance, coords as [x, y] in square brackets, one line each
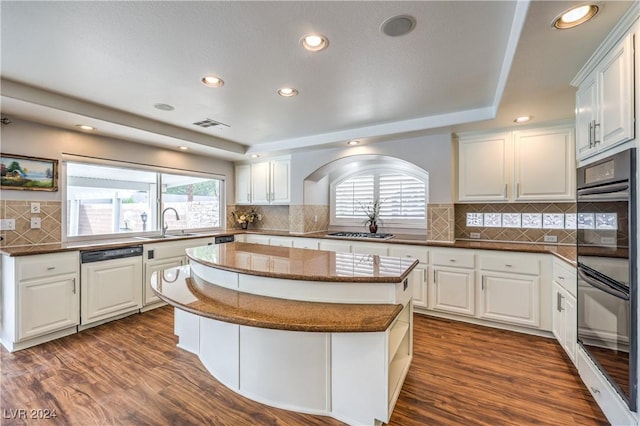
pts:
[207, 122]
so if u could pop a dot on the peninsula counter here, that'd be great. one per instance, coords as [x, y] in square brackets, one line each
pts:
[306, 330]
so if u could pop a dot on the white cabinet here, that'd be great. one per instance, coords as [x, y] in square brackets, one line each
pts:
[40, 298]
[483, 173]
[335, 245]
[256, 239]
[306, 243]
[452, 286]
[369, 248]
[281, 241]
[419, 276]
[529, 165]
[109, 289]
[243, 183]
[164, 255]
[565, 314]
[544, 165]
[510, 289]
[605, 113]
[270, 182]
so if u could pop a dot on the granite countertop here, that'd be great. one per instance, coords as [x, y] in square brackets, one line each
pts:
[564, 252]
[303, 264]
[192, 294]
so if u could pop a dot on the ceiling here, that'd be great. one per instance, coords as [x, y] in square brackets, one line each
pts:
[466, 65]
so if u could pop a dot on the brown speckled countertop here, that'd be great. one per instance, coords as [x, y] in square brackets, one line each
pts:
[303, 264]
[178, 288]
[564, 252]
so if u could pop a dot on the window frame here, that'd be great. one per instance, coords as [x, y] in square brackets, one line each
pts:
[67, 158]
[378, 170]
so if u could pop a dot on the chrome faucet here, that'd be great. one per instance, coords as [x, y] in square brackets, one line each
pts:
[164, 222]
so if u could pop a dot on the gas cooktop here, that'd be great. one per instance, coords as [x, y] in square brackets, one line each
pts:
[360, 235]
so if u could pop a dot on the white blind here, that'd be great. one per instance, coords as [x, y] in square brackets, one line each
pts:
[402, 196]
[352, 193]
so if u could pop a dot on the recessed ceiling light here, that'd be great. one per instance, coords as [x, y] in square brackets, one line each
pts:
[575, 16]
[398, 25]
[184, 148]
[164, 107]
[212, 81]
[85, 127]
[353, 142]
[522, 119]
[287, 92]
[255, 155]
[314, 42]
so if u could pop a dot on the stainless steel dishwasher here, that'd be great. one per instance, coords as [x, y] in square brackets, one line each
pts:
[110, 284]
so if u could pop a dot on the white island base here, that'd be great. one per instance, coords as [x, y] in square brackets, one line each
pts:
[353, 377]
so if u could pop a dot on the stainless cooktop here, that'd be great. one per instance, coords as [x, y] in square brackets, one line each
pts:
[363, 235]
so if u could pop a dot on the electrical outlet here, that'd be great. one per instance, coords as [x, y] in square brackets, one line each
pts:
[475, 235]
[7, 224]
[259, 217]
[550, 238]
[35, 223]
[608, 240]
[315, 218]
[35, 207]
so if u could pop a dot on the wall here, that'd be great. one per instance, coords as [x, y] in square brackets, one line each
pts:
[31, 139]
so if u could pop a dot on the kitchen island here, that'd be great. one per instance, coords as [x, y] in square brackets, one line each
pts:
[312, 331]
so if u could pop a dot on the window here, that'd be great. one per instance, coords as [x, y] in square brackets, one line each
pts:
[106, 200]
[403, 197]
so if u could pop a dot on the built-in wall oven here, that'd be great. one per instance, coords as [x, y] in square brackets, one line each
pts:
[607, 244]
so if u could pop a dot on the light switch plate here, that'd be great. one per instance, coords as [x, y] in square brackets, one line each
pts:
[475, 235]
[35, 223]
[550, 238]
[7, 224]
[35, 207]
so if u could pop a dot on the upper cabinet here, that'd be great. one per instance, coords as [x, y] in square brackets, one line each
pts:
[605, 109]
[529, 165]
[266, 182]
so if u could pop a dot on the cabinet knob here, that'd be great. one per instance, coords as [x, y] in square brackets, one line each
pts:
[560, 278]
[51, 268]
[507, 265]
[452, 260]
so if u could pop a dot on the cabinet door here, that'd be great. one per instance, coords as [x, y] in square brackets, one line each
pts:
[260, 187]
[452, 290]
[280, 171]
[281, 242]
[544, 168]
[586, 116]
[418, 279]
[615, 83]
[570, 310]
[158, 266]
[110, 288]
[558, 314]
[482, 168]
[243, 184]
[46, 305]
[513, 299]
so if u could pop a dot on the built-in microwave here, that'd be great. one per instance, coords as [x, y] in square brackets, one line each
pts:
[607, 244]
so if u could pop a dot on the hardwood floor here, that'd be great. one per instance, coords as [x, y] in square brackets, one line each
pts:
[129, 372]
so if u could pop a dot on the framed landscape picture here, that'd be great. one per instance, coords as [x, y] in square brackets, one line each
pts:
[28, 173]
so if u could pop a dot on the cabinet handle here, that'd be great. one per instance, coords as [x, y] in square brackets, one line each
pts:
[74, 285]
[560, 278]
[508, 265]
[452, 260]
[434, 277]
[51, 268]
[558, 302]
[482, 283]
[595, 390]
[591, 133]
[424, 275]
[248, 196]
[505, 190]
[517, 189]
[595, 141]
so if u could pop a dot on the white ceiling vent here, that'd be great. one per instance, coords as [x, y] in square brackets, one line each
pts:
[207, 122]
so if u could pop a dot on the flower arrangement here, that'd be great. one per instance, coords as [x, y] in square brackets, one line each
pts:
[244, 218]
[372, 210]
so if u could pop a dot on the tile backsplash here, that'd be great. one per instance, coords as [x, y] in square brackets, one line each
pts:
[296, 218]
[526, 222]
[51, 223]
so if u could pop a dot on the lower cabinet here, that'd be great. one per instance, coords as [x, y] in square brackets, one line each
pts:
[149, 297]
[39, 298]
[452, 290]
[513, 299]
[110, 289]
[565, 325]
[419, 276]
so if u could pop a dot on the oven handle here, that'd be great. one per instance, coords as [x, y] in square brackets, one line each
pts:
[607, 189]
[602, 286]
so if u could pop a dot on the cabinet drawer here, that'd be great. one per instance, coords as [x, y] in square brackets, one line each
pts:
[565, 275]
[453, 258]
[511, 264]
[43, 265]
[420, 253]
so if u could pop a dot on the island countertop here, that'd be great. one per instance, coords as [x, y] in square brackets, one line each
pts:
[303, 264]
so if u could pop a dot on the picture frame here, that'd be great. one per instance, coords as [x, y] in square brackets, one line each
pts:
[19, 172]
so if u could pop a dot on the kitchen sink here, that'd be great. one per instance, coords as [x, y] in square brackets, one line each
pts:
[166, 236]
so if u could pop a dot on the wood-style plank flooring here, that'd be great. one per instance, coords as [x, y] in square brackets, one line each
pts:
[129, 372]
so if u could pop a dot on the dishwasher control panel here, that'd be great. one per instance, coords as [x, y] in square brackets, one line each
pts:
[108, 254]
